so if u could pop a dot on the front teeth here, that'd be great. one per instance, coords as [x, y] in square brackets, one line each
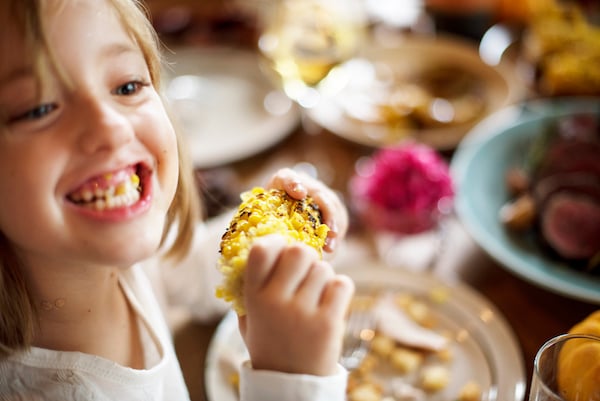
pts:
[124, 194]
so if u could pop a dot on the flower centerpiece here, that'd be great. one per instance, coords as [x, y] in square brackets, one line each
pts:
[404, 189]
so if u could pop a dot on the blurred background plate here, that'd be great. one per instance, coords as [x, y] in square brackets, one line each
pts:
[224, 104]
[486, 349]
[478, 169]
[351, 95]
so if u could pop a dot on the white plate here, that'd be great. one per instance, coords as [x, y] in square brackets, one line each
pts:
[478, 168]
[488, 351]
[499, 87]
[224, 104]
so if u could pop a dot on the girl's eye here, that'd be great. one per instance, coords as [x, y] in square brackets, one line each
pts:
[36, 113]
[129, 88]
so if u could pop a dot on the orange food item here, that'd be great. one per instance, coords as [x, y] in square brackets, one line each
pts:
[579, 363]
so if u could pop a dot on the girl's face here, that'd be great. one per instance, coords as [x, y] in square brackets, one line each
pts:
[89, 168]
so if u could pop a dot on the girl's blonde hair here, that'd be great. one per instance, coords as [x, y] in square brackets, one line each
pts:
[18, 313]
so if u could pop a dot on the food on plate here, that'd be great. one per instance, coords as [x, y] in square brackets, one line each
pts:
[519, 214]
[434, 378]
[449, 95]
[405, 360]
[410, 356]
[579, 363]
[429, 97]
[365, 392]
[564, 49]
[517, 181]
[264, 212]
[557, 198]
[471, 391]
[400, 366]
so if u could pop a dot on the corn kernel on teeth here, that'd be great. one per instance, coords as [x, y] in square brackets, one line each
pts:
[263, 212]
[109, 191]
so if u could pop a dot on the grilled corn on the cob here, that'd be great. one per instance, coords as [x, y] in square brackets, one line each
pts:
[264, 212]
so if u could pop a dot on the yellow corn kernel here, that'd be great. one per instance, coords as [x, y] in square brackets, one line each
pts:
[406, 360]
[121, 189]
[434, 378]
[135, 180]
[260, 213]
[471, 391]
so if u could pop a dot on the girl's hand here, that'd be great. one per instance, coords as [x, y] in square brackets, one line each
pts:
[295, 308]
[299, 185]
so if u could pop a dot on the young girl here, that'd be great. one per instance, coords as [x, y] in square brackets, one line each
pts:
[94, 194]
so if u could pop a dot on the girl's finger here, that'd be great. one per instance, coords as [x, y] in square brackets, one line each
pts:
[337, 295]
[262, 258]
[299, 185]
[310, 291]
[291, 182]
[292, 267]
[333, 212]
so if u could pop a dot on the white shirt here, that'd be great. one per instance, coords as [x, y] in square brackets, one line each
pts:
[42, 374]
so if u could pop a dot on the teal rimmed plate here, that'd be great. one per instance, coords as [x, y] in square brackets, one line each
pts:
[478, 167]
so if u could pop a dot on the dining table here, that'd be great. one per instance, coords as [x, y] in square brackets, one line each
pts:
[533, 313]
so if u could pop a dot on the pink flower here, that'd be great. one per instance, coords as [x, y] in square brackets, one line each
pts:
[404, 188]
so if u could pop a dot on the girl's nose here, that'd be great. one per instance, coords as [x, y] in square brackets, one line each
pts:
[104, 127]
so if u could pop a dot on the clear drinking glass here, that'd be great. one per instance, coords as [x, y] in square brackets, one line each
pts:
[567, 368]
[303, 40]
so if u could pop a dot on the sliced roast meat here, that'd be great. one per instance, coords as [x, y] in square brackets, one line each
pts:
[569, 156]
[580, 182]
[570, 223]
[563, 179]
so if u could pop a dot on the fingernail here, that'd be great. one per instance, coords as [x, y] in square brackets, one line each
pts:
[298, 187]
[331, 242]
[333, 228]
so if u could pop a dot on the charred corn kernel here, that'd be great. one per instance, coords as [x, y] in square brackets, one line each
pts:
[264, 212]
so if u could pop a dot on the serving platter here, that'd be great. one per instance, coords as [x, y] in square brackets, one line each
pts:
[354, 97]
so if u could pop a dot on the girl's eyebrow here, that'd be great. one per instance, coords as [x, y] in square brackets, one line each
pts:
[26, 72]
[118, 48]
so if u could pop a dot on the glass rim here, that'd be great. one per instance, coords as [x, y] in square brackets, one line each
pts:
[555, 340]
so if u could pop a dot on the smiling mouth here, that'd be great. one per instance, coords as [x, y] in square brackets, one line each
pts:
[110, 191]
